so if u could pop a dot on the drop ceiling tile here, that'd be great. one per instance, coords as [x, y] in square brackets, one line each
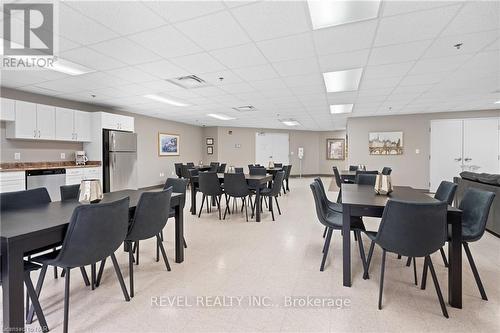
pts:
[269, 84]
[214, 78]
[214, 31]
[210, 91]
[375, 92]
[471, 43]
[475, 16]
[237, 88]
[296, 67]
[15, 78]
[126, 18]
[288, 48]
[398, 53]
[431, 78]
[136, 90]
[240, 56]
[389, 70]
[91, 59]
[315, 80]
[414, 89]
[131, 74]
[166, 41]
[414, 26]
[342, 61]
[198, 63]
[445, 64]
[127, 51]
[493, 46]
[163, 69]
[255, 73]
[344, 38]
[402, 7]
[176, 11]
[302, 90]
[272, 19]
[385, 82]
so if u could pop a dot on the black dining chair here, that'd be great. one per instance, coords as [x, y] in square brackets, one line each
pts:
[221, 168]
[214, 166]
[258, 171]
[209, 186]
[338, 182]
[94, 233]
[410, 229]
[178, 186]
[236, 187]
[190, 164]
[24, 199]
[69, 192]
[278, 165]
[149, 219]
[353, 168]
[386, 171]
[238, 170]
[366, 179]
[287, 169]
[333, 220]
[475, 206]
[178, 169]
[273, 192]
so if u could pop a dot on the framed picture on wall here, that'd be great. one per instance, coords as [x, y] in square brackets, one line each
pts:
[210, 141]
[335, 149]
[385, 143]
[210, 150]
[168, 144]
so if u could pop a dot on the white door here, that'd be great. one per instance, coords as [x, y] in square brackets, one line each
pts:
[446, 151]
[64, 124]
[46, 121]
[25, 124]
[271, 147]
[481, 145]
[83, 124]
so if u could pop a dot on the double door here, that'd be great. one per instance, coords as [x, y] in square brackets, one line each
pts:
[272, 147]
[463, 145]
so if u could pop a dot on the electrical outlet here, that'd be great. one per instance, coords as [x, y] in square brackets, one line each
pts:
[63, 156]
[417, 151]
[17, 156]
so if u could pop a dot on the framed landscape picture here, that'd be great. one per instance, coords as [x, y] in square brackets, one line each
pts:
[385, 143]
[168, 144]
[335, 149]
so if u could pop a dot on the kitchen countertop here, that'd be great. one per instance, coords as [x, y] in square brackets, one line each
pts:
[15, 166]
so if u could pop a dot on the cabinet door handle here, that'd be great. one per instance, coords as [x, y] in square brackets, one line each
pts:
[39, 133]
[467, 159]
[458, 159]
[34, 133]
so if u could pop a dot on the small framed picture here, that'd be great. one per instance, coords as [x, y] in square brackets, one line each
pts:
[210, 141]
[168, 144]
[210, 150]
[335, 149]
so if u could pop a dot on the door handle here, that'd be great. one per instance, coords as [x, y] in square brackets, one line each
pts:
[34, 133]
[39, 133]
[458, 159]
[467, 159]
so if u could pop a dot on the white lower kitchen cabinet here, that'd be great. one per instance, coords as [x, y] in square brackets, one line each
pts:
[76, 175]
[11, 181]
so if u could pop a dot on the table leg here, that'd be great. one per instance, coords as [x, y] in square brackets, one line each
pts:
[193, 200]
[455, 266]
[13, 289]
[346, 244]
[179, 234]
[257, 204]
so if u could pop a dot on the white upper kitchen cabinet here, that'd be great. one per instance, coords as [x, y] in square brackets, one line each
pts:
[83, 126]
[117, 122]
[46, 121]
[24, 127]
[65, 124]
[7, 109]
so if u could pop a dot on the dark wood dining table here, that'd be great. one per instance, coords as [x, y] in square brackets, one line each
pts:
[361, 200]
[253, 180]
[42, 227]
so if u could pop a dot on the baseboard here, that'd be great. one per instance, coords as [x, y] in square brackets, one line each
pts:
[153, 187]
[311, 175]
[493, 233]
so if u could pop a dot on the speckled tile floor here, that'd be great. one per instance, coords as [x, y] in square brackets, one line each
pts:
[273, 261]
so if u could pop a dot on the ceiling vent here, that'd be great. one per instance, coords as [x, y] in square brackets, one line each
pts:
[245, 108]
[188, 82]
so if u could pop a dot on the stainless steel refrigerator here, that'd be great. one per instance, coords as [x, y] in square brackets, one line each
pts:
[119, 160]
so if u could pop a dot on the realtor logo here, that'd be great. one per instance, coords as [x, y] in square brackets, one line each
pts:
[28, 29]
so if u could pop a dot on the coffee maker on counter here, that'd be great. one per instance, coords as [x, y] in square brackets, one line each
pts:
[80, 157]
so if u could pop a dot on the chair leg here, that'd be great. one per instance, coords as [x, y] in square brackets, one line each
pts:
[137, 253]
[39, 284]
[277, 205]
[185, 244]
[361, 247]
[355, 236]
[474, 271]
[55, 272]
[32, 294]
[415, 271]
[326, 248]
[85, 276]
[443, 255]
[324, 232]
[120, 277]
[436, 284]
[63, 273]
[246, 209]
[66, 299]
[227, 208]
[424, 275]
[131, 271]
[271, 207]
[218, 206]
[163, 253]
[202, 203]
[381, 288]
[408, 262]
[368, 261]
[101, 270]
[399, 256]
[92, 276]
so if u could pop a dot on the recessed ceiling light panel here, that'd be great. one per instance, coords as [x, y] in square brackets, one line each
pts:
[331, 13]
[347, 80]
[220, 116]
[290, 122]
[341, 108]
[165, 100]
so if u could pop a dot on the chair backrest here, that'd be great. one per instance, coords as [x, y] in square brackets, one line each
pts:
[238, 170]
[214, 168]
[321, 205]
[261, 171]
[24, 199]
[95, 232]
[446, 192]
[190, 164]
[178, 169]
[288, 170]
[277, 183]
[366, 179]
[413, 229]
[236, 185]
[475, 206]
[151, 215]
[178, 186]
[321, 187]
[214, 164]
[209, 183]
[386, 171]
[185, 171]
[221, 168]
[353, 168]
[363, 172]
[70, 192]
[336, 173]
[278, 165]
